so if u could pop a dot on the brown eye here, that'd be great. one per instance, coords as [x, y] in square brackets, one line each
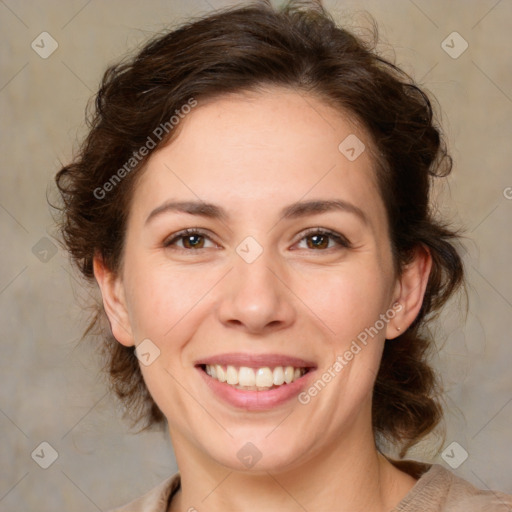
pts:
[193, 241]
[320, 239]
[190, 238]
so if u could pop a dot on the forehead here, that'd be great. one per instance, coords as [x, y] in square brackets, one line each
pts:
[271, 119]
[276, 144]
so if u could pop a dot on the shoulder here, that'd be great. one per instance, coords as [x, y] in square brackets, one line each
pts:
[156, 500]
[440, 489]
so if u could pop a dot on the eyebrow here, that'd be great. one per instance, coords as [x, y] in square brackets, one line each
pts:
[292, 211]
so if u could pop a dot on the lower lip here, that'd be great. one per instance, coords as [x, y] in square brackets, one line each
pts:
[256, 400]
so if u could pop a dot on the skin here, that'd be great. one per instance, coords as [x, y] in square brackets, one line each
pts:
[253, 154]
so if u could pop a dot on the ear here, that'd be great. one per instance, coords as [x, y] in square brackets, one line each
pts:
[114, 303]
[409, 291]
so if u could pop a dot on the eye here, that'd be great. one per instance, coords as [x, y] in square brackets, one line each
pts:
[316, 238]
[192, 239]
[319, 238]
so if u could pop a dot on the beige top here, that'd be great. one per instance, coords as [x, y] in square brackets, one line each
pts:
[436, 490]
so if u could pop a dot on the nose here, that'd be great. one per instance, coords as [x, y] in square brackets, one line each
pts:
[256, 297]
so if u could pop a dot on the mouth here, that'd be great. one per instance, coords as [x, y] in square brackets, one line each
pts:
[255, 382]
[247, 378]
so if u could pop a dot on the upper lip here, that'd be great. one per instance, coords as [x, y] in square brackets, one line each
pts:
[255, 360]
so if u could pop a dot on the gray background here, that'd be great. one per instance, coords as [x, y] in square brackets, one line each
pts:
[51, 390]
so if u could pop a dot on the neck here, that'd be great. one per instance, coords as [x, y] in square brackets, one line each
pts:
[350, 476]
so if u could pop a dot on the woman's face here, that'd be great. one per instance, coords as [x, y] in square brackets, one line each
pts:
[255, 285]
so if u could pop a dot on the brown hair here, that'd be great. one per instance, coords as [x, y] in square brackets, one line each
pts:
[239, 49]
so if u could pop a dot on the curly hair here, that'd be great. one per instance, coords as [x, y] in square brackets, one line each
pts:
[240, 49]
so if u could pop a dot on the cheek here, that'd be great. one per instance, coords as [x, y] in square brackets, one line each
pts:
[345, 300]
[166, 307]
[163, 301]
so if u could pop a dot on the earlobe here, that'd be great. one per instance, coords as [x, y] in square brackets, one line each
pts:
[114, 303]
[410, 290]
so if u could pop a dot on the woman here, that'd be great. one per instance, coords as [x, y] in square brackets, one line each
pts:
[253, 202]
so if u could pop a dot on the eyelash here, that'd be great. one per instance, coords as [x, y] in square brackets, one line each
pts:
[339, 239]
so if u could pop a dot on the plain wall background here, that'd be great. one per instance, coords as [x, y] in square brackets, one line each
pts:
[50, 386]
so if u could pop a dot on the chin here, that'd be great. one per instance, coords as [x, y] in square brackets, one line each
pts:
[257, 456]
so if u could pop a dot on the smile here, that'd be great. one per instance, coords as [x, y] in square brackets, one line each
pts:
[254, 379]
[255, 382]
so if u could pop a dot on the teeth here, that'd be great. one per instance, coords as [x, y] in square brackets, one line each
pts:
[254, 378]
[264, 377]
[246, 377]
[278, 375]
[221, 374]
[231, 375]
